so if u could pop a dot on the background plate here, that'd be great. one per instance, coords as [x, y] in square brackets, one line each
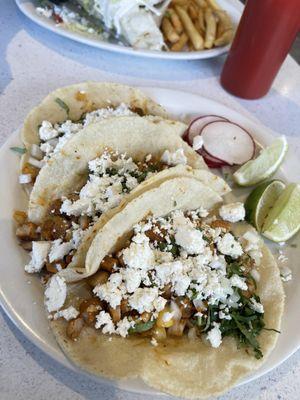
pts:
[233, 7]
[22, 297]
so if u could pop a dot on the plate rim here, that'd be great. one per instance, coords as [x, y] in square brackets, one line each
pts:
[59, 356]
[25, 5]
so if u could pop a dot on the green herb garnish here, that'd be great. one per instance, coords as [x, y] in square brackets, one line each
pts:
[20, 150]
[62, 104]
[142, 327]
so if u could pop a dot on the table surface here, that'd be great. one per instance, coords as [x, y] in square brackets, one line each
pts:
[33, 62]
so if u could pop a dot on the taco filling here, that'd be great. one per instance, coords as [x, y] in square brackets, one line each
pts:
[111, 176]
[182, 274]
[54, 136]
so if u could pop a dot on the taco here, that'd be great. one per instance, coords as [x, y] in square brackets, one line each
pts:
[100, 169]
[66, 111]
[184, 300]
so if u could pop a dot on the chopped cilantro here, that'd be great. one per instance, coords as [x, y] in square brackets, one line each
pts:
[62, 104]
[142, 327]
[20, 150]
[112, 171]
[234, 268]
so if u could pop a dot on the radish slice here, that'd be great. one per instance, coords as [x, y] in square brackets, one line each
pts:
[198, 123]
[228, 142]
[212, 162]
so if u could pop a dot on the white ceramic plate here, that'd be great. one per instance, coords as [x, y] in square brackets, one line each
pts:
[21, 295]
[233, 7]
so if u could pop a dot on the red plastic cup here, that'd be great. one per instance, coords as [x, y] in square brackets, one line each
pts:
[263, 39]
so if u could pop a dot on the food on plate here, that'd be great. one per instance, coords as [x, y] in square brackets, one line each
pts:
[225, 144]
[139, 246]
[177, 25]
[132, 20]
[260, 201]
[220, 141]
[97, 170]
[283, 220]
[66, 111]
[264, 166]
[199, 297]
[196, 25]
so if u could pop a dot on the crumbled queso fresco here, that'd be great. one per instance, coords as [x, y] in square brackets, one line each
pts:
[54, 137]
[198, 262]
[111, 176]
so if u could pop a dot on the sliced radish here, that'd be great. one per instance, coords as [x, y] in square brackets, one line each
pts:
[228, 142]
[198, 123]
[212, 162]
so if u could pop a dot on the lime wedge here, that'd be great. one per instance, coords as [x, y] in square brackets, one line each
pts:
[261, 200]
[255, 171]
[283, 220]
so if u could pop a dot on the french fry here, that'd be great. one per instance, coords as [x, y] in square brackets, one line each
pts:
[168, 31]
[201, 3]
[214, 5]
[179, 2]
[224, 39]
[190, 46]
[178, 46]
[190, 29]
[197, 26]
[175, 20]
[225, 23]
[193, 12]
[201, 19]
[211, 28]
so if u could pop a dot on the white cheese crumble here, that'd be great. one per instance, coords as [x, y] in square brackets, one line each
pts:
[47, 131]
[146, 300]
[55, 293]
[214, 335]
[59, 250]
[232, 212]
[112, 291]
[190, 239]
[39, 256]
[139, 256]
[256, 306]
[174, 158]
[197, 142]
[154, 342]
[238, 282]
[104, 321]
[229, 246]
[123, 326]
[68, 313]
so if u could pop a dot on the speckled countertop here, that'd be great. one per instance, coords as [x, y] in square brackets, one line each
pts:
[34, 62]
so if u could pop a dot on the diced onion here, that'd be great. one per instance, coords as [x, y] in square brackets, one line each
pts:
[36, 152]
[36, 163]
[25, 178]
